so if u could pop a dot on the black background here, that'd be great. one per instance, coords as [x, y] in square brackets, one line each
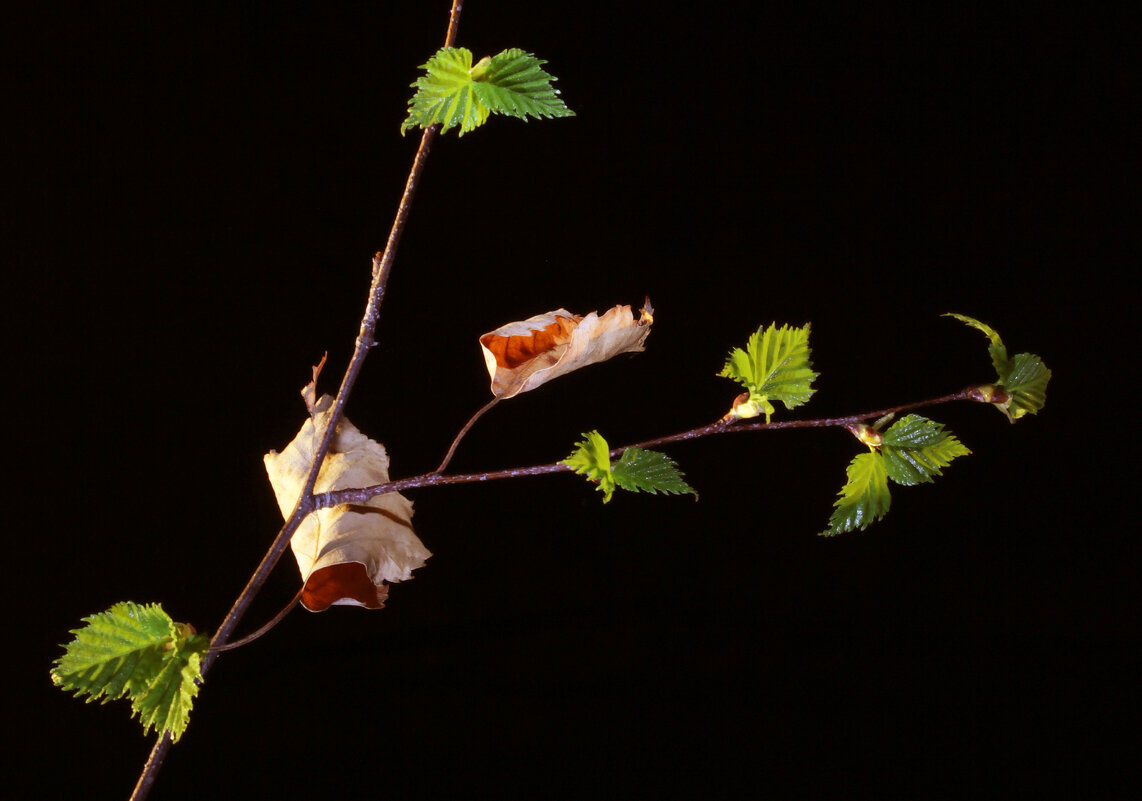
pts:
[194, 194]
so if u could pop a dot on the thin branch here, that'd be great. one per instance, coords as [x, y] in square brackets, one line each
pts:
[433, 479]
[276, 619]
[821, 422]
[453, 23]
[467, 426]
[152, 766]
[382, 266]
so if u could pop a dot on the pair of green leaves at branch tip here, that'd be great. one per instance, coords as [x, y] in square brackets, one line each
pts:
[454, 92]
[1020, 385]
[915, 448]
[775, 366]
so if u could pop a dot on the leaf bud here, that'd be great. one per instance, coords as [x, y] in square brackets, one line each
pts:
[989, 393]
[743, 409]
[866, 434]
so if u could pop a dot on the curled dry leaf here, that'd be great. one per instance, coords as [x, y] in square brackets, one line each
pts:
[345, 553]
[522, 355]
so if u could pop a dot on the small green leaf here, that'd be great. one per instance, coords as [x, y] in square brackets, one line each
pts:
[1027, 384]
[636, 470]
[455, 93]
[136, 651]
[445, 94]
[515, 84]
[592, 459]
[997, 349]
[650, 471]
[915, 448]
[864, 497]
[167, 703]
[1022, 379]
[775, 366]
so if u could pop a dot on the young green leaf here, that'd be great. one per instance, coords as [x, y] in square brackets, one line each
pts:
[997, 349]
[456, 93]
[864, 498]
[514, 83]
[167, 703]
[136, 651]
[1027, 385]
[915, 448]
[635, 471]
[1022, 380]
[445, 94]
[650, 471]
[592, 459]
[912, 450]
[775, 366]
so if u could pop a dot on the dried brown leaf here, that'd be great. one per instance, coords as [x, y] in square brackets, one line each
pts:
[345, 553]
[521, 356]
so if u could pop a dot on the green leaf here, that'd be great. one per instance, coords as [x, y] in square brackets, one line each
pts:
[1022, 379]
[592, 459]
[167, 703]
[997, 349]
[1027, 383]
[912, 450]
[136, 651]
[864, 497]
[455, 93]
[445, 94]
[650, 471]
[915, 448]
[775, 366]
[636, 470]
[515, 84]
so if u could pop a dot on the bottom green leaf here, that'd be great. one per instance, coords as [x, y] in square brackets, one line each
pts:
[650, 471]
[136, 650]
[864, 497]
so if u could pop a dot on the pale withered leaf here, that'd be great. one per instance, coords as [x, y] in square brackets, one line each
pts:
[346, 553]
